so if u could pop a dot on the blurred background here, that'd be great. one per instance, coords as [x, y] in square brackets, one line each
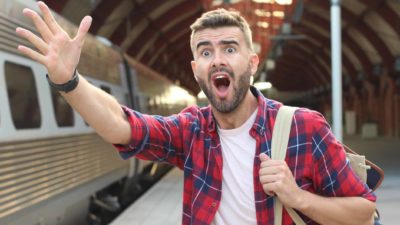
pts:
[55, 170]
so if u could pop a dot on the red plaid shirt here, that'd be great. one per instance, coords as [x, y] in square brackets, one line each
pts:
[190, 141]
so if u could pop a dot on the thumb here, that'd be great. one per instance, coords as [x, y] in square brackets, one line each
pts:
[83, 28]
[264, 157]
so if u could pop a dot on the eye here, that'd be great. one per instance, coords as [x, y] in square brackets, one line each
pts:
[205, 53]
[230, 50]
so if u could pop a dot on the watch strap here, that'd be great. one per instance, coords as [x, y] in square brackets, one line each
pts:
[66, 87]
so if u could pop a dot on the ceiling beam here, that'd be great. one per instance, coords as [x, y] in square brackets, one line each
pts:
[299, 55]
[100, 14]
[296, 61]
[386, 12]
[285, 65]
[357, 22]
[323, 24]
[140, 12]
[161, 22]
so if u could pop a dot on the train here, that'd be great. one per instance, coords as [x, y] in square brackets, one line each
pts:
[54, 169]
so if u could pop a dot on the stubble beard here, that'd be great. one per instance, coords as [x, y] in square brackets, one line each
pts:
[226, 106]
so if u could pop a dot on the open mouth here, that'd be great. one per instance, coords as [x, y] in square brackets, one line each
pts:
[221, 82]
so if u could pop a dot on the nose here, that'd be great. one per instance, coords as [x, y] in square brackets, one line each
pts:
[219, 59]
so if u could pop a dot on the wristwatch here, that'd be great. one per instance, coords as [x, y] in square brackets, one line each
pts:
[66, 87]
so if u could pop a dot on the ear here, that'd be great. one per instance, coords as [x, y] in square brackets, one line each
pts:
[193, 63]
[254, 61]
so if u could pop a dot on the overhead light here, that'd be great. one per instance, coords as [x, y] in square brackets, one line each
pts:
[263, 1]
[263, 13]
[263, 85]
[279, 14]
[262, 24]
[284, 2]
[280, 2]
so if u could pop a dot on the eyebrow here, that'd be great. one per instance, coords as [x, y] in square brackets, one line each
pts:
[201, 43]
[222, 42]
[229, 42]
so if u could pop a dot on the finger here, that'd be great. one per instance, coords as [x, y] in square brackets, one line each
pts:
[83, 28]
[271, 178]
[49, 18]
[264, 157]
[270, 193]
[268, 170]
[269, 189]
[32, 54]
[35, 40]
[39, 24]
[272, 163]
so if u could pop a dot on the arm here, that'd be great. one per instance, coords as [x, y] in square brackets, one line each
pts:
[342, 198]
[336, 210]
[277, 178]
[101, 111]
[60, 55]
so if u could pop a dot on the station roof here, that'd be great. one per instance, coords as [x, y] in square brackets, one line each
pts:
[292, 37]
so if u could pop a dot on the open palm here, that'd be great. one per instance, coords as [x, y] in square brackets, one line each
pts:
[58, 52]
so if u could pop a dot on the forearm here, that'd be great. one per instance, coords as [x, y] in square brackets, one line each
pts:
[101, 111]
[337, 210]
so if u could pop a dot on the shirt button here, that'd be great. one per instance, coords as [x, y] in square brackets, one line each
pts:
[214, 204]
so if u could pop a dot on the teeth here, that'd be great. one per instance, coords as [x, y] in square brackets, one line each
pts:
[219, 77]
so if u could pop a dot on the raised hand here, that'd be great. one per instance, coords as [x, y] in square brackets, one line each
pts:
[277, 179]
[58, 52]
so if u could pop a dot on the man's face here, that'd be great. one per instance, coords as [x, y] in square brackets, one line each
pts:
[223, 65]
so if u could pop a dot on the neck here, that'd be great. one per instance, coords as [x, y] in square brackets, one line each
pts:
[237, 117]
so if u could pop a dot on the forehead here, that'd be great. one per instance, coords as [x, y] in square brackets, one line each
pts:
[214, 35]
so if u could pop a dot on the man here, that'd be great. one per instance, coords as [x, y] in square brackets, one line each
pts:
[223, 149]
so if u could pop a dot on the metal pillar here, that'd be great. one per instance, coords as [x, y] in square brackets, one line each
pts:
[336, 50]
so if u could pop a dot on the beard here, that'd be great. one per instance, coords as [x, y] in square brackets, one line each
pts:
[240, 88]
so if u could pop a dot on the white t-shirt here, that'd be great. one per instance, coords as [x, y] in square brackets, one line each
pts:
[238, 150]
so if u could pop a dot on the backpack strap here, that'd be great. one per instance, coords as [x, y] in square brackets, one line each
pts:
[280, 139]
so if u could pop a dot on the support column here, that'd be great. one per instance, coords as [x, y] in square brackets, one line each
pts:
[336, 50]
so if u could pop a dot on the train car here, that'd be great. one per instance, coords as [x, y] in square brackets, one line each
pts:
[53, 167]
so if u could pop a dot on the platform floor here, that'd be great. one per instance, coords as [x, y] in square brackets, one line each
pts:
[162, 204]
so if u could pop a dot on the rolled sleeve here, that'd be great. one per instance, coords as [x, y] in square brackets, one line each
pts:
[332, 171]
[139, 132]
[154, 138]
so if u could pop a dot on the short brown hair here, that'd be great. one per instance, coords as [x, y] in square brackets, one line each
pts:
[222, 18]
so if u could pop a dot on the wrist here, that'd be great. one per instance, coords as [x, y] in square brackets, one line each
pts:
[303, 200]
[67, 86]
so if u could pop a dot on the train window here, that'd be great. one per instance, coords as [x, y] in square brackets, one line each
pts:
[22, 94]
[62, 110]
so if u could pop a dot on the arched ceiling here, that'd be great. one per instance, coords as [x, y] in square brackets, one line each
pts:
[156, 33]
[369, 34]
